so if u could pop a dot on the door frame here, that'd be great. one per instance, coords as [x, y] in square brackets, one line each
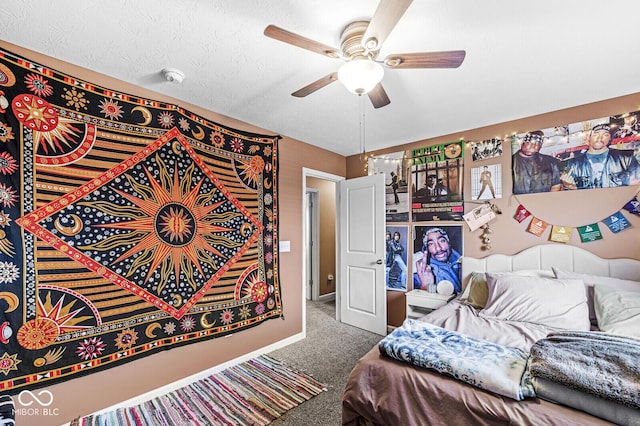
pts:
[307, 172]
[312, 230]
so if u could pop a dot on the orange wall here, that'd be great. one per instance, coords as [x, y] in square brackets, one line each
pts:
[569, 208]
[99, 390]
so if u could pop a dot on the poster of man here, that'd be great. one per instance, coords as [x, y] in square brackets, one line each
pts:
[486, 182]
[599, 153]
[436, 182]
[488, 148]
[437, 257]
[396, 257]
[395, 167]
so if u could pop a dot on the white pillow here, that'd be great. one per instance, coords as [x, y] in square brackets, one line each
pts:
[618, 311]
[476, 291]
[547, 301]
[591, 280]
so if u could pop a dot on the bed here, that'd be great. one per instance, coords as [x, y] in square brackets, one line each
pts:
[385, 390]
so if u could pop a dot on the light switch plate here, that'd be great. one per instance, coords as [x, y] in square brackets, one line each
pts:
[285, 246]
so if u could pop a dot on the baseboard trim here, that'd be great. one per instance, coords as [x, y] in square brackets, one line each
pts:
[327, 297]
[201, 375]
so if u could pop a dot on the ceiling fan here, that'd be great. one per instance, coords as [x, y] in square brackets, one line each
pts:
[360, 44]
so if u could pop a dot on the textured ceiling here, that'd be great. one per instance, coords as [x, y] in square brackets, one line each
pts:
[523, 58]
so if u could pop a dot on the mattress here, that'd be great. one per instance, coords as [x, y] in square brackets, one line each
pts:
[612, 411]
[384, 391]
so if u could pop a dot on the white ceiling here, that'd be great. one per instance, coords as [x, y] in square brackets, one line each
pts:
[523, 58]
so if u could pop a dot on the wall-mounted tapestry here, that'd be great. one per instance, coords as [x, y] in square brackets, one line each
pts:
[127, 226]
[599, 153]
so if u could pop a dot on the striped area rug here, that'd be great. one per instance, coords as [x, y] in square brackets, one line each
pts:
[254, 392]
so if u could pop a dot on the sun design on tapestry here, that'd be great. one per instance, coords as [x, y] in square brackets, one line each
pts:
[159, 224]
[60, 140]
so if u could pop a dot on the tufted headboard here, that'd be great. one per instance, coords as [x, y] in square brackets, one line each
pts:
[543, 257]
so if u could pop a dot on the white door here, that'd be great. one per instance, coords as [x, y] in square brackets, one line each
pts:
[362, 291]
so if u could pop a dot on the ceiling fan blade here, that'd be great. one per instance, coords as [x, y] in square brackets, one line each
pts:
[448, 59]
[378, 96]
[285, 36]
[384, 19]
[316, 85]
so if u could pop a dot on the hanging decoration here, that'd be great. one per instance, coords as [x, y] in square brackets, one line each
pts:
[589, 233]
[128, 226]
[485, 237]
[560, 234]
[633, 206]
[615, 222]
[537, 226]
[480, 218]
[521, 213]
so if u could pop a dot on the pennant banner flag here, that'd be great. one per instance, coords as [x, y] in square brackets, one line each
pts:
[560, 234]
[522, 213]
[633, 206]
[537, 226]
[589, 233]
[617, 222]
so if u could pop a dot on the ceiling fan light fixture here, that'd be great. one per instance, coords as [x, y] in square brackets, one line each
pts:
[360, 76]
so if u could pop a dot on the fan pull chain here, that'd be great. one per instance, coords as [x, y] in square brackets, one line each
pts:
[362, 126]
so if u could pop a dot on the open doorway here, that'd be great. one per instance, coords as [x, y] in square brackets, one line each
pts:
[319, 231]
[311, 242]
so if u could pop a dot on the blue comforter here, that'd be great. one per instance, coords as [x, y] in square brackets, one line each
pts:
[496, 368]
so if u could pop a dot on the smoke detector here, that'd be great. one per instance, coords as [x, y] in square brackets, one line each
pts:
[173, 75]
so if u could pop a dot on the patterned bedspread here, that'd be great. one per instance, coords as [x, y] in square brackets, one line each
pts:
[487, 365]
[600, 364]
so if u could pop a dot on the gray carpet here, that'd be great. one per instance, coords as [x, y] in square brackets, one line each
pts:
[328, 353]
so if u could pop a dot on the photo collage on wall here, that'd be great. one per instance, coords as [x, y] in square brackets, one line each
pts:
[598, 153]
[428, 183]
